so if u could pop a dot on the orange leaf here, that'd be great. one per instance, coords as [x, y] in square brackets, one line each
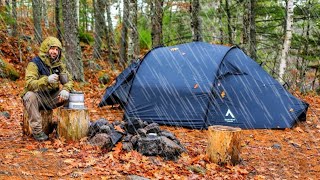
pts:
[30, 147]
[64, 172]
[223, 94]
[47, 174]
[196, 86]
[117, 149]
[118, 128]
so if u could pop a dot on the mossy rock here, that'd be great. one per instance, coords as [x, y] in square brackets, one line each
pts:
[8, 71]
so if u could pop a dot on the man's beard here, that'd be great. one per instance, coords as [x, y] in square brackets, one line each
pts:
[53, 60]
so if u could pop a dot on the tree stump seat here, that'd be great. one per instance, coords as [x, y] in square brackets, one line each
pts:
[224, 144]
[47, 123]
[73, 124]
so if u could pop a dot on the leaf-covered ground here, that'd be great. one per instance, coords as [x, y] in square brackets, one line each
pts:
[266, 154]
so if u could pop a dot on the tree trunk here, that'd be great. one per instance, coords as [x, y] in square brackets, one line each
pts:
[99, 26]
[92, 16]
[224, 144]
[72, 43]
[287, 40]
[15, 21]
[230, 41]
[85, 15]
[246, 26]
[78, 11]
[196, 21]
[156, 20]
[133, 42]
[304, 63]
[57, 19]
[36, 6]
[124, 34]
[45, 13]
[252, 37]
[109, 35]
[220, 11]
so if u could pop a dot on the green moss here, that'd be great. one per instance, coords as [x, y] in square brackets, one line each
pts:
[8, 71]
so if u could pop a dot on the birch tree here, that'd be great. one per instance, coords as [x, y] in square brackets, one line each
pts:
[133, 41]
[36, 6]
[196, 21]
[287, 40]
[72, 43]
[78, 11]
[124, 34]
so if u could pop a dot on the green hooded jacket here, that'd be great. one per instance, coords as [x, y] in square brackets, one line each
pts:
[39, 83]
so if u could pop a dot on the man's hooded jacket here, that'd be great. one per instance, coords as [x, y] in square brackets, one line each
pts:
[41, 67]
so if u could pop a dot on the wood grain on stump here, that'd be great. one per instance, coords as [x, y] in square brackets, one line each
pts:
[73, 124]
[46, 122]
[224, 144]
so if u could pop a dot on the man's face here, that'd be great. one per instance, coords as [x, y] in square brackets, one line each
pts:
[54, 52]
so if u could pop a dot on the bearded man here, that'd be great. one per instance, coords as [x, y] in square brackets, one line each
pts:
[42, 89]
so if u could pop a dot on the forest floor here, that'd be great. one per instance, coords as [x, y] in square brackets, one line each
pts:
[266, 154]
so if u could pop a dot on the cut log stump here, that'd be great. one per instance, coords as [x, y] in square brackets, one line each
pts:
[73, 124]
[224, 145]
[47, 127]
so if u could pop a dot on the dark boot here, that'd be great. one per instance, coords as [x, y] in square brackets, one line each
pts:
[40, 137]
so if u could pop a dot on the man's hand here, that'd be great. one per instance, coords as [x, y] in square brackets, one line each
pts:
[64, 95]
[53, 78]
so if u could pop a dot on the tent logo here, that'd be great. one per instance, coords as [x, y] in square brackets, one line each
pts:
[229, 117]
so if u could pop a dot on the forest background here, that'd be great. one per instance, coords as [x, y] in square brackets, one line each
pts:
[102, 37]
[282, 36]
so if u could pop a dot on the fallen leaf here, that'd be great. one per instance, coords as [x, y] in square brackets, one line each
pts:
[47, 174]
[64, 172]
[298, 129]
[259, 177]
[30, 147]
[117, 149]
[26, 173]
[69, 161]
[118, 128]
[223, 94]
